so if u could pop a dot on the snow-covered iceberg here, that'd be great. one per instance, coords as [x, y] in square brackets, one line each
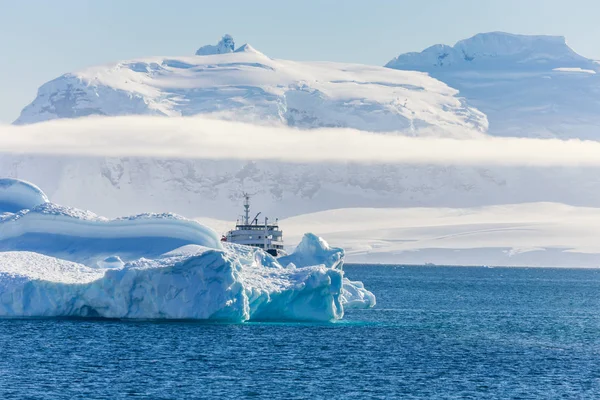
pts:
[17, 195]
[60, 261]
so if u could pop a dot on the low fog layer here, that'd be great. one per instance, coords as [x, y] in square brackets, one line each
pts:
[203, 138]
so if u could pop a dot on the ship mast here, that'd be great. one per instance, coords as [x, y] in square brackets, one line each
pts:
[246, 209]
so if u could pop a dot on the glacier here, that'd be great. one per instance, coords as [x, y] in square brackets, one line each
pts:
[58, 261]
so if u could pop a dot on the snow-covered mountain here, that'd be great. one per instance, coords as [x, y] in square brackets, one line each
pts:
[247, 85]
[497, 51]
[244, 84]
[534, 86]
[213, 188]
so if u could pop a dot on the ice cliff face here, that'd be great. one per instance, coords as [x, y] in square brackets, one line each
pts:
[60, 261]
[247, 85]
[533, 86]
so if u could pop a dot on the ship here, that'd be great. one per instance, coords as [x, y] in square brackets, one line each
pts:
[249, 232]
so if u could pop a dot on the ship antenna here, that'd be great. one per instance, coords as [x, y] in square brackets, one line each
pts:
[246, 209]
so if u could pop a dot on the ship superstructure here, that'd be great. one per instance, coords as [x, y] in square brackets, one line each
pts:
[250, 232]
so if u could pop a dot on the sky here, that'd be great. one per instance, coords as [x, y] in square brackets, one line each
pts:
[41, 40]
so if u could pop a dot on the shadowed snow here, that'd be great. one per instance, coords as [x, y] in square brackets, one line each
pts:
[17, 195]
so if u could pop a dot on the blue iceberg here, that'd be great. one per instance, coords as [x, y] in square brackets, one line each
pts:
[58, 261]
[17, 195]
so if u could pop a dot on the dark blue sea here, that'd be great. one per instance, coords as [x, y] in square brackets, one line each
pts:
[436, 333]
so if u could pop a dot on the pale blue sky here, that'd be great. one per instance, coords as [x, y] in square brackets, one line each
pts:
[40, 40]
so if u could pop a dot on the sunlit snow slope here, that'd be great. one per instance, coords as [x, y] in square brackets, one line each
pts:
[247, 85]
[534, 86]
[530, 234]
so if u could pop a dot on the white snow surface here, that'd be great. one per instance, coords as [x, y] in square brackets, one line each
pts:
[247, 85]
[60, 261]
[496, 50]
[520, 235]
[16, 195]
[539, 234]
[533, 86]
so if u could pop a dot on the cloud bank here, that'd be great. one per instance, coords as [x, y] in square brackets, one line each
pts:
[204, 138]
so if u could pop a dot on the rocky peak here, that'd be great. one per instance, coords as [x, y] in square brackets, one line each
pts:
[225, 45]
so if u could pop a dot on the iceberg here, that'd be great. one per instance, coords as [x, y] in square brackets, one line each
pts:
[16, 195]
[58, 261]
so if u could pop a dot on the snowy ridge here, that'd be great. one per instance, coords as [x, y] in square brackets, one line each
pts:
[247, 85]
[59, 261]
[495, 50]
[528, 86]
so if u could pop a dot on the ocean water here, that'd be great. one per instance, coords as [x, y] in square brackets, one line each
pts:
[436, 333]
